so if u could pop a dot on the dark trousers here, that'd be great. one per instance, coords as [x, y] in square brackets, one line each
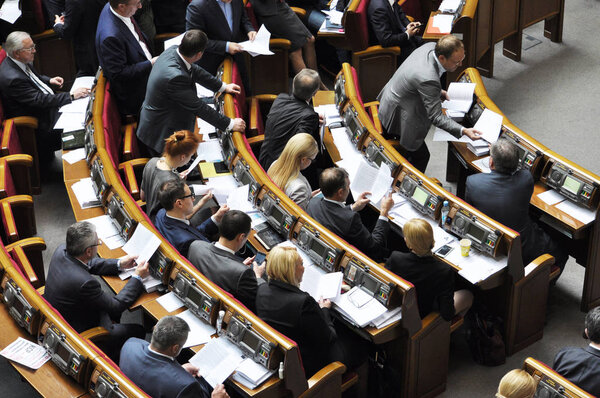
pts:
[419, 158]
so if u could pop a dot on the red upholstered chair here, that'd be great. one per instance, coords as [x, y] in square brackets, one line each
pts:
[14, 175]
[27, 254]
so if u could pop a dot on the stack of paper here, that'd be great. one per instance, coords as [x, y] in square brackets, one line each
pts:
[238, 199]
[443, 22]
[260, 44]
[483, 164]
[321, 285]
[222, 187]
[10, 11]
[358, 307]
[450, 6]
[580, 213]
[73, 115]
[489, 124]
[26, 353]
[251, 374]
[170, 302]
[479, 147]
[217, 360]
[107, 231]
[387, 318]
[85, 194]
[366, 178]
[200, 331]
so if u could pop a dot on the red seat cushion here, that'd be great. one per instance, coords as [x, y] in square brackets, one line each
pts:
[363, 24]
[112, 126]
[239, 100]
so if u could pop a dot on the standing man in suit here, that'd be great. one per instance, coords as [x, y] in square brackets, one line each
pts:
[154, 368]
[172, 103]
[333, 213]
[226, 24]
[78, 296]
[581, 366]
[219, 263]
[25, 92]
[504, 195]
[290, 115]
[78, 23]
[389, 25]
[411, 101]
[172, 221]
[124, 54]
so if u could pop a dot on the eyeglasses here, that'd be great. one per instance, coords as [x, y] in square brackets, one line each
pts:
[191, 195]
[30, 49]
[94, 245]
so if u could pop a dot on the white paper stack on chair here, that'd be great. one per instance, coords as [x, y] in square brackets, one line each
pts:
[358, 307]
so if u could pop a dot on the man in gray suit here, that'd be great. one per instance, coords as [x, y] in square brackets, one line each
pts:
[171, 102]
[219, 263]
[504, 195]
[411, 101]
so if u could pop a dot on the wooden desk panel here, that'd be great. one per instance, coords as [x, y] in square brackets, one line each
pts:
[79, 213]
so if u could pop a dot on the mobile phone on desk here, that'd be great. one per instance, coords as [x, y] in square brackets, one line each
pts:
[444, 251]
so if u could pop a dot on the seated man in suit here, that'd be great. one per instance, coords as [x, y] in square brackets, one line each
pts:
[333, 213]
[154, 368]
[72, 289]
[173, 222]
[25, 92]
[172, 103]
[581, 366]
[219, 263]
[290, 115]
[504, 195]
[124, 54]
[226, 24]
[389, 26]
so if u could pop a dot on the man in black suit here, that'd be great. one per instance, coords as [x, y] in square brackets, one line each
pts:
[53, 7]
[72, 289]
[124, 54]
[389, 26]
[333, 213]
[172, 221]
[219, 263]
[25, 92]
[154, 368]
[226, 24]
[581, 366]
[172, 103]
[504, 195]
[78, 23]
[290, 115]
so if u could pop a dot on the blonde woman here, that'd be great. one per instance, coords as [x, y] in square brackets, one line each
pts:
[516, 384]
[299, 153]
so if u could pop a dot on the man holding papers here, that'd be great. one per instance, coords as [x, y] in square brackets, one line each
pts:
[504, 195]
[154, 368]
[411, 101]
[333, 213]
[78, 296]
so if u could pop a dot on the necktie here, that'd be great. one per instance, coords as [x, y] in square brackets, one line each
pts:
[40, 84]
[141, 38]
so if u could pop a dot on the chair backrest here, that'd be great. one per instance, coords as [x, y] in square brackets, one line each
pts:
[112, 126]
[239, 100]
[10, 143]
[39, 15]
[7, 184]
[3, 55]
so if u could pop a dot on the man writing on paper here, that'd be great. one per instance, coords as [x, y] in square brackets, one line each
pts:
[154, 368]
[504, 195]
[333, 213]
[78, 296]
[411, 101]
[172, 103]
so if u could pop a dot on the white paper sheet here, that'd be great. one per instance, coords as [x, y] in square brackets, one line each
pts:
[483, 164]
[143, 243]
[461, 97]
[443, 22]
[449, 6]
[489, 124]
[217, 360]
[251, 374]
[203, 92]
[113, 242]
[26, 353]
[238, 199]
[74, 156]
[382, 184]
[10, 11]
[551, 197]
[104, 227]
[222, 187]
[200, 331]
[175, 41]
[359, 307]
[82, 81]
[70, 122]
[170, 302]
[84, 192]
[342, 142]
[387, 318]
[77, 106]
[321, 285]
[210, 151]
[362, 178]
[580, 213]
[260, 45]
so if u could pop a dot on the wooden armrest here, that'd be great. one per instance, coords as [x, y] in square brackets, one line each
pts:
[378, 50]
[25, 121]
[28, 244]
[256, 140]
[95, 334]
[141, 203]
[166, 36]
[128, 169]
[264, 97]
[128, 140]
[8, 217]
[300, 12]
[281, 44]
[135, 163]
[411, 19]
[372, 104]
[20, 159]
[27, 267]
[254, 111]
[29, 250]
[41, 290]
[47, 34]
[326, 380]
[536, 265]
[18, 200]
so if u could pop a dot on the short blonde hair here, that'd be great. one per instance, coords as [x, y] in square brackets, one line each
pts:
[516, 384]
[418, 235]
[281, 264]
[287, 167]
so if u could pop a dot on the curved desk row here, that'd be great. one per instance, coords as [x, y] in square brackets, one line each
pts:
[550, 383]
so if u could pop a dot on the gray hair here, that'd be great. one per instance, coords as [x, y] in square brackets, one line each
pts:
[14, 42]
[80, 236]
[505, 156]
[169, 331]
[305, 84]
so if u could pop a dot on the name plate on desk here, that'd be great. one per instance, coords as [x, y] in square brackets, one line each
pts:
[571, 184]
[411, 187]
[466, 225]
[197, 300]
[18, 307]
[323, 254]
[259, 349]
[356, 273]
[63, 355]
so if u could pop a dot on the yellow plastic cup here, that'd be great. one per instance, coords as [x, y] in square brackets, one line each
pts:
[465, 247]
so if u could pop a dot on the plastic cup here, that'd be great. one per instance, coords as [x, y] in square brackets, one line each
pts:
[465, 247]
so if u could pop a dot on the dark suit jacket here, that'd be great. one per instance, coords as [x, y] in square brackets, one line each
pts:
[21, 97]
[433, 280]
[53, 7]
[78, 296]
[226, 270]
[581, 366]
[158, 376]
[207, 16]
[288, 116]
[172, 103]
[180, 234]
[297, 315]
[348, 225]
[388, 26]
[123, 61]
[264, 8]
[81, 20]
[169, 15]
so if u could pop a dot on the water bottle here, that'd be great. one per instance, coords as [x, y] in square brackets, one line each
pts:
[445, 211]
[281, 372]
[220, 322]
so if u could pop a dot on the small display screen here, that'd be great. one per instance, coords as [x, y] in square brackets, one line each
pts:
[63, 353]
[250, 340]
[340, 92]
[369, 284]
[195, 296]
[475, 232]
[277, 214]
[18, 305]
[318, 248]
[420, 196]
[571, 185]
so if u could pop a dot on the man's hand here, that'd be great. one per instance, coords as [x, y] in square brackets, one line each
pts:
[221, 212]
[321, 119]
[259, 270]
[472, 133]
[315, 192]
[234, 48]
[191, 369]
[57, 81]
[59, 19]
[444, 96]
[232, 88]
[153, 60]
[143, 270]
[413, 28]
[361, 201]
[252, 35]
[249, 260]
[386, 204]
[81, 92]
[127, 262]
[219, 392]
[324, 303]
[239, 125]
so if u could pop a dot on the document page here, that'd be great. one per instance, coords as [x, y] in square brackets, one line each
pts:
[483, 164]
[551, 197]
[85, 194]
[107, 231]
[175, 41]
[26, 353]
[217, 360]
[143, 243]
[260, 45]
[461, 97]
[321, 285]
[382, 183]
[450, 6]
[10, 11]
[251, 374]
[578, 212]
[170, 302]
[359, 307]
[200, 331]
[362, 178]
[238, 199]
[443, 22]
[489, 123]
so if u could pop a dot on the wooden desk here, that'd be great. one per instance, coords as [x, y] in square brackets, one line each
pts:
[48, 381]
